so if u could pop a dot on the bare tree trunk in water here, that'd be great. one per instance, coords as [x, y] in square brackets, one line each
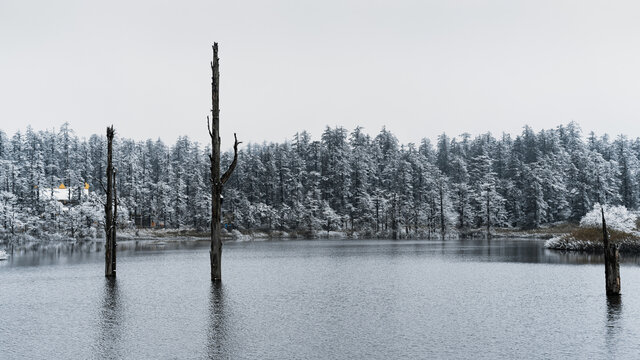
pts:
[217, 182]
[111, 210]
[611, 262]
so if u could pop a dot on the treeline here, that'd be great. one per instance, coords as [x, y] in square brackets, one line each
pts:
[343, 181]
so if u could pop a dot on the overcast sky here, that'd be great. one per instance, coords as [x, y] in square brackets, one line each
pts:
[419, 67]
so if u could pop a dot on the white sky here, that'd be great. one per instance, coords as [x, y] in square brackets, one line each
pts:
[419, 67]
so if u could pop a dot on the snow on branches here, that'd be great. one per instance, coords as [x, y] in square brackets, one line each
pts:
[617, 218]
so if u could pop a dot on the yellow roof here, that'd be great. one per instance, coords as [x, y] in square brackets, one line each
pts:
[62, 186]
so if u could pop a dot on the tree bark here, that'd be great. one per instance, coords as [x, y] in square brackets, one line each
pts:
[611, 262]
[217, 181]
[111, 210]
[442, 226]
[114, 245]
[377, 214]
[488, 217]
[394, 221]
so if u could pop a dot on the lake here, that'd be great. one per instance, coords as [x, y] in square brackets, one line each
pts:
[320, 299]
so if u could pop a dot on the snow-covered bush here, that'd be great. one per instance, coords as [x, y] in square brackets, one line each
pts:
[617, 218]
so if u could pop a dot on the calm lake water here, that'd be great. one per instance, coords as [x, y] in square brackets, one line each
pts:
[367, 299]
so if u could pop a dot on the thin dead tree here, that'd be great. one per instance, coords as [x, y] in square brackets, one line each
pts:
[110, 210]
[441, 193]
[488, 215]
[394, 219]
[217, 181]
[611, 262]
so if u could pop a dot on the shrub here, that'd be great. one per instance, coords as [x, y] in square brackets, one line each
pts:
[617, 218]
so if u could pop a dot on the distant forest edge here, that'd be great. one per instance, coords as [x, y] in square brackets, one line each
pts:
[50, 182]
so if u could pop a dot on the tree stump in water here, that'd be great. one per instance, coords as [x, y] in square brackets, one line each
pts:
[611, 262]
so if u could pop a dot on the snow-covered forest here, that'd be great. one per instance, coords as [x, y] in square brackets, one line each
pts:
[346, 180]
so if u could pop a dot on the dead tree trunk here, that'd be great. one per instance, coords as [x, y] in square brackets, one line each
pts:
[488, 217]
[394, 221]
[114, 245]
[217, 181]
[110, 210]
[442, 225]
[377, 214]
[611, 261]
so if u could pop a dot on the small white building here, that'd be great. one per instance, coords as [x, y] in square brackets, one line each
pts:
[72, 194]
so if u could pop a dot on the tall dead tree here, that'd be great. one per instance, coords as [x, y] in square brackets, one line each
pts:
[441, 192]
[394, 221]
[611, 261]
[110, 210]
[217, 181]
[488, 216]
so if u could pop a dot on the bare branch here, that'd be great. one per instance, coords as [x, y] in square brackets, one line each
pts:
[227, 174]
[104, 188]
[209, 127]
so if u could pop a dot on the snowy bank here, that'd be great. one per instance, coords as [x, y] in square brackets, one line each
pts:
[630, 243]
[621, 225]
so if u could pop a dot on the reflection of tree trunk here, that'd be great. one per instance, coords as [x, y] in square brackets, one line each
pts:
[111, 319]
[614, 314]
[218, 328]
[611, 262]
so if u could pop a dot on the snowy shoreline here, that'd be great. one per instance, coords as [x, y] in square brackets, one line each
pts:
[564, 243]
[247, 236]
[557, 236]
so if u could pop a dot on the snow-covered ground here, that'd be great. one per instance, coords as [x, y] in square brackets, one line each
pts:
[621, 225]
[572, 244]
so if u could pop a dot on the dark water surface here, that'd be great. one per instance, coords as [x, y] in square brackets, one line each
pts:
[317, 300]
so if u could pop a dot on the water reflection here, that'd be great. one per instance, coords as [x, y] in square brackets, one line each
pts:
[111, 319]
[614, 322]
[77, 252]
[493, 250]
[217, 335]
[38, 254]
